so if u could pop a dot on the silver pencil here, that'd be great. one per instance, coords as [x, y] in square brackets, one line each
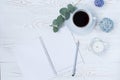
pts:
[75, 61]
[48, 56]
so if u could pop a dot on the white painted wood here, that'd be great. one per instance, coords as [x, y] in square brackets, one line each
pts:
[21, 21]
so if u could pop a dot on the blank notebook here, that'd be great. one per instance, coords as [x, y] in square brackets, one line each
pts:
[33, 61]
[61, 47]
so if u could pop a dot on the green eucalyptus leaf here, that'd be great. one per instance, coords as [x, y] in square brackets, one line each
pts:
[67, 15]
[63, 11]
[71, 8]
[55, 22]
[55, 29]
[64, 15]
[60, 19]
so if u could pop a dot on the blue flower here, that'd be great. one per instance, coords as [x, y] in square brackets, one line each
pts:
[99, 3]
[106, 25]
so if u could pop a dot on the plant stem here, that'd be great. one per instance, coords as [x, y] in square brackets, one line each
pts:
[77, 2]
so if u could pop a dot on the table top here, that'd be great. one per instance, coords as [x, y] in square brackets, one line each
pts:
[22, 22]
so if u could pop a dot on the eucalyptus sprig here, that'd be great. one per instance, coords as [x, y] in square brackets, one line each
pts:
[64, 15]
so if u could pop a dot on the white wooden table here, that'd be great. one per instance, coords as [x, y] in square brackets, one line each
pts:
[18, 18]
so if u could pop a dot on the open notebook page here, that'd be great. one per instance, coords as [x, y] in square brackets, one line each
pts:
[61, 47]
[33, 62]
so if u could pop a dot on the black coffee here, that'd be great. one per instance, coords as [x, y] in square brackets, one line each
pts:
[81, 19]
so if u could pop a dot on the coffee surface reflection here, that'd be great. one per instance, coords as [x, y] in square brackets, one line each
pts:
[81, 19]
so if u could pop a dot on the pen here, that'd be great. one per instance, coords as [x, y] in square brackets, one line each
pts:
[75, 61]
[48, 56]
[78, 50]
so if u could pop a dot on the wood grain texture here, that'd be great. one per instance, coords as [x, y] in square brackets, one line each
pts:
[21, 19]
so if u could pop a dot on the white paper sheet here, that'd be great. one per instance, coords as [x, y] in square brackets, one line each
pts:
[60, 46]
[33, 61]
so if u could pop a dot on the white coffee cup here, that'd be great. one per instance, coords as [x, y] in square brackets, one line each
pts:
[82, 30]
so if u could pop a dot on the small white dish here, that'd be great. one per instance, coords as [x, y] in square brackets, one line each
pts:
[98, 46]
[86, 29]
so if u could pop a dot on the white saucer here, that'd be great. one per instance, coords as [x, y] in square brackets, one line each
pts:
[88, 28]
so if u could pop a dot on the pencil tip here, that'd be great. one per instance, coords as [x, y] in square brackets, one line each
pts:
[73, 75]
